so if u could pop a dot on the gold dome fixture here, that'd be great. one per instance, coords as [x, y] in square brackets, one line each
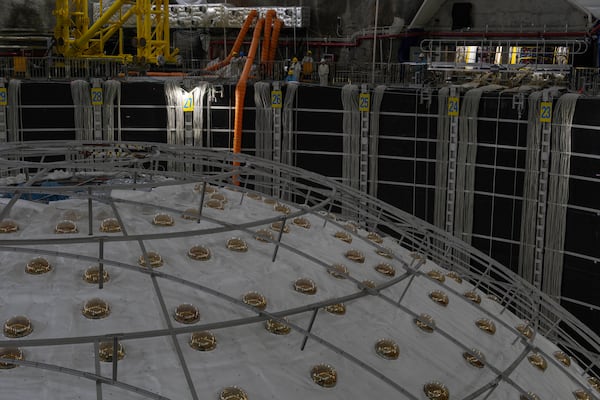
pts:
[355, 255]
[343, 236]
[96, 309]
[563, 358]
[537, 361]
[66, 226]
[38, 266]
[254, 196]
[324, 375]
[473, 296]
[367, 283]
[436, 391]
[305, 286]
[207, 189]
[374, 237]
[199, 253]
[454, 276]
[525, 330]
[219, 197]
[387, 349]
[154, 259]
[581, 394]
[190, 213]
[437, 275]
[595, 383]
[255, 299]
[237, 244]
[338, 271]
[264, 235]
[232, 393]
[529, 396]
[276, 327]
[270, 201]
[276, 226]
[385, 269]
[336, 309]
[486, 325]
[92, 275]
[18, 326]
[350, 227]
[8, 226]
[439, 297]
[163, 219]
[215, 204]
[10, 353]
[425, 322]
[106, 351]
[387, 253]
[203, 341]
[302, 222]
[110, 225]
[186, 314]
[282, 208]
[475, 358]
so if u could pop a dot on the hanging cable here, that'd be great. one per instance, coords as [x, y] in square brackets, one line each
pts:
[441, 158]
[351, 142]
[374, 139]
[83, 113]
[287, 119]
[112, 92]
[14, 110]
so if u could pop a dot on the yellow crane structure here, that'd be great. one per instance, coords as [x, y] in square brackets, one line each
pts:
[75, 38]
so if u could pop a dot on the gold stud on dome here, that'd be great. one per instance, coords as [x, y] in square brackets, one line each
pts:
[305, 286]
[191, 213]
[92, 275]
[473, 296]
[276, 226]
[215, 204]
[374, 237]
[338, 271]
[350, 227]
[96, 309]
[436, 391]
[233, 393]
[486, 325]
[594, 383]
[385, 269]
[270, 201]
[254, 196]
[336, 309]
[66, 226]
[264, 235]
[355, 255]
[302, 222]
[110, 225]
[437, 275]
[163, 219]
[106, 351]
[237, 244]
[454, 276]
[324, 375]
[343, 236]
[475, 358]
[199, 253]
[277, 328]
[367, 284]
[563, 358]
[38, 266]
[439, 297]
[255, 299]
[387, 253]
[529, 396]
[186, 314]
[10, 353]
[154, 260]
[282, 208]
[581, 394]
[203, 341]
[425, 322]
[18, 326]
[537, 361]
[207, 189]
[219, 197]
[525, 330]
[8, 226]
[387, 348]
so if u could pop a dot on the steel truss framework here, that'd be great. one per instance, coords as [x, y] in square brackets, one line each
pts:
[311, 194]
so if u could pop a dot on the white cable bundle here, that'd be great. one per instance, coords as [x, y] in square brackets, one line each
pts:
[288, 123]
[263, 120]
[14, 110]
[530, 188]
[175, 118]
[199, 93]
[558, 193]
[374, 139]
[84, 117]
[112, 94]
[351, 142]
[441, 159]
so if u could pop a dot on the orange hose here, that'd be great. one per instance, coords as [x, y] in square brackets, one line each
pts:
[238, 42]
[240, 93]
[267, 39]
[273, 45]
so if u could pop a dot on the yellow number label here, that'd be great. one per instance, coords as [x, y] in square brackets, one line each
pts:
[364, 102]
[97, 97]
[188, 104]
[276, 99]
[3, 97]
[453, 106]
[546, 111]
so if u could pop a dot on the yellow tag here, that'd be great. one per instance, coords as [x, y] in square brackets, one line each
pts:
[546, 111]
[364, 102]
[453, 106]
[188, 103]
[97, 97]
[3, 97]
[276, 99]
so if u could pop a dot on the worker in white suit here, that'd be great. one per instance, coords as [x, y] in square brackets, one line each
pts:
[323, 72]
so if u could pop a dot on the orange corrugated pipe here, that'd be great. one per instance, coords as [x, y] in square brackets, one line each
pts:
[238, 42]
[240, 94]
[273, 45]
[267, 39]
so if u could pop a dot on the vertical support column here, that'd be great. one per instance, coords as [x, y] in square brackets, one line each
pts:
[3, 104]
[97, 102]
[542, 197]
[364, 107]
[453, 112]
[276, 105]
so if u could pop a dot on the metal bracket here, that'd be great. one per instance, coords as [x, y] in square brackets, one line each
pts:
[425, 96]
[518, 102]
[214, 91]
